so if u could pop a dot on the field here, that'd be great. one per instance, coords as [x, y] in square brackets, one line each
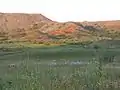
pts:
[67, 67]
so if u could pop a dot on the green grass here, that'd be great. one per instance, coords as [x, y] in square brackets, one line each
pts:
[50, 68]
[28, 75]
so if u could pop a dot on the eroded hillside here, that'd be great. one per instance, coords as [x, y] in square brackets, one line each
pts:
[36, 28]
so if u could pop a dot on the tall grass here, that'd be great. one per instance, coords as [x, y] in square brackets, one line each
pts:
[27, 72]
[28, 76]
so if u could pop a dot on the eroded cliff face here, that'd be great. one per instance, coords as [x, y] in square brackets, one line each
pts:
[38, 28]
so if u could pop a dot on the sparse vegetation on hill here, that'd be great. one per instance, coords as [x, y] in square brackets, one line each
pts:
[36, 28]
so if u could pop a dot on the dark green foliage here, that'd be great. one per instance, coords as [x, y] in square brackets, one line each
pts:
[96, 47]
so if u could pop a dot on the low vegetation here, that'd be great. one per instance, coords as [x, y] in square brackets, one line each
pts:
[87, 66]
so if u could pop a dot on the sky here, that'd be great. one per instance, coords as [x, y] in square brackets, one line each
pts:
[66, 10]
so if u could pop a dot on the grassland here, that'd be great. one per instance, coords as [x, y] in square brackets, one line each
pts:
[67, 67]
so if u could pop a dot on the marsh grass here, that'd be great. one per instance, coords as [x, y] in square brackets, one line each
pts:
[28, 76]
[28, 68]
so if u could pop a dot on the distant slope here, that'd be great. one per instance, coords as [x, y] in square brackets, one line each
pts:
[115, 24]
[19, 20]
[36, 28]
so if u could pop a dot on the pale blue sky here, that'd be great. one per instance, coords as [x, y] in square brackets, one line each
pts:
[66, 10]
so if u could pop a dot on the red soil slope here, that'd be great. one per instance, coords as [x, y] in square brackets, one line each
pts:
[36, 27]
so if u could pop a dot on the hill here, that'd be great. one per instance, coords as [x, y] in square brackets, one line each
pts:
[36, 28]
